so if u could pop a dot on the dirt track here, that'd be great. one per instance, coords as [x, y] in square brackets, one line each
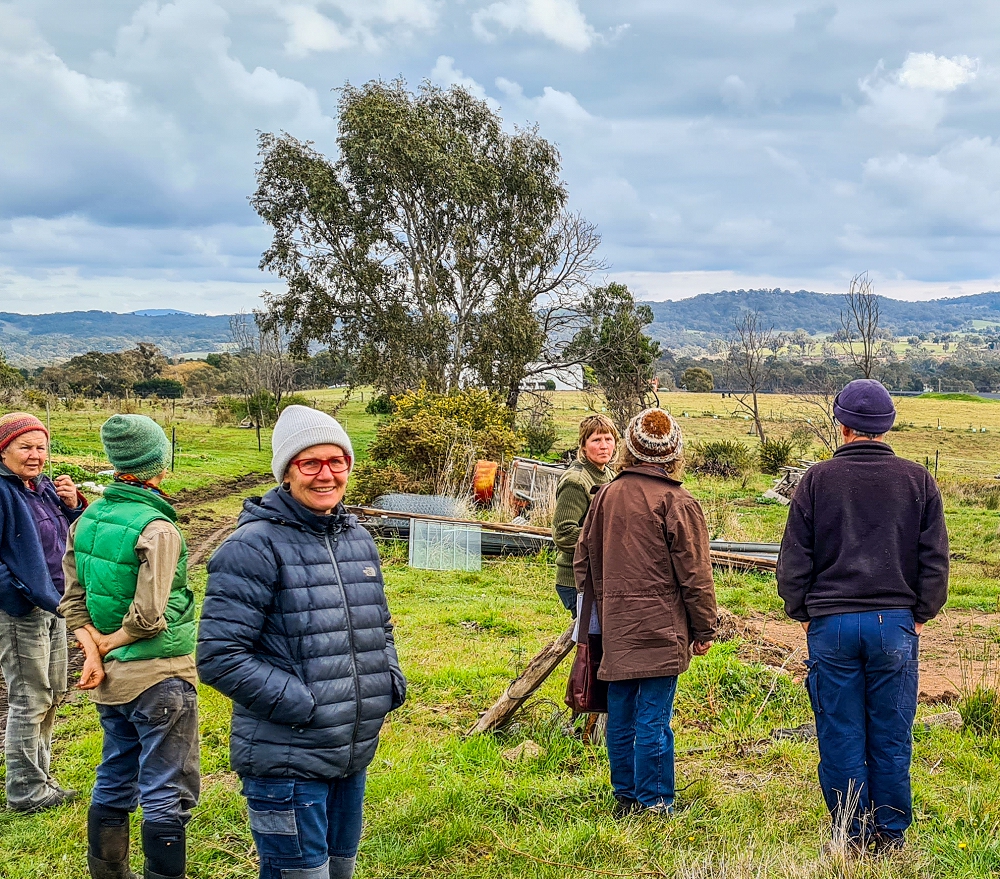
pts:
[958, 650]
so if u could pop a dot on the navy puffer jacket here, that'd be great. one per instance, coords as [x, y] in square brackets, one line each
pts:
[295, 630]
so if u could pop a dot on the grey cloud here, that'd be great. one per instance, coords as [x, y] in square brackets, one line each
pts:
[765, 137]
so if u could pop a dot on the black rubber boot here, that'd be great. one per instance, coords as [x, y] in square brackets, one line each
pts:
[165, 847]
[107, 843]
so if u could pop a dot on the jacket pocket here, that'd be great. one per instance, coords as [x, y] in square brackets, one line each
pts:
[271, 805]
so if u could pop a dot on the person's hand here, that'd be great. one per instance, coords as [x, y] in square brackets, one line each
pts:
[805, 628]
[918, 627]
[92, 673]
[700, 648]
[101, 641]
[66, 489]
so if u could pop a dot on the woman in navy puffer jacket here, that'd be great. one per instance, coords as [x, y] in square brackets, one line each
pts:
[296, 631]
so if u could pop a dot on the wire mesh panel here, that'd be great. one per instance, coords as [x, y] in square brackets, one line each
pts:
[442, 546]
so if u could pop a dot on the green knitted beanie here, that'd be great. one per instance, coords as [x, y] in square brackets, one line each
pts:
[135, 445]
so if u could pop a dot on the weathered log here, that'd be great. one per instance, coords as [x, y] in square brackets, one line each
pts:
[521, 688]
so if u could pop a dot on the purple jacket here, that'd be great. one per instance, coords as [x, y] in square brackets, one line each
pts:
[33, 529]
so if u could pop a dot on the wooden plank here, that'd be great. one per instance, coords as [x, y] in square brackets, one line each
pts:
[526, 683]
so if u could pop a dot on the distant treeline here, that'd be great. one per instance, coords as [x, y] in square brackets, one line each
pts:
[978, 370]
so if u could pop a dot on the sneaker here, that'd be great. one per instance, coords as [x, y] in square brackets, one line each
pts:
[625, 806]
[52, 801]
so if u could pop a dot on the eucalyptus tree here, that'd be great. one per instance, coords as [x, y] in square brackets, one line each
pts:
[436, 247]
[621, 355]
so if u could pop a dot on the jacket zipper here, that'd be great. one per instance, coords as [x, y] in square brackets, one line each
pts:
[350, 636]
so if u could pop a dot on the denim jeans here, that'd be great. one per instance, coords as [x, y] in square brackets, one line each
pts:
[306, 829]
[150, 755]
[862, 683]
[640, 740]
[33, 661]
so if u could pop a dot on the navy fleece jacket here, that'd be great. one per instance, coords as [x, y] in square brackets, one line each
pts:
[865, 532]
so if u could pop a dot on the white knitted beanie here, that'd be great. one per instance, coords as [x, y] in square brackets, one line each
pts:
[299, 427]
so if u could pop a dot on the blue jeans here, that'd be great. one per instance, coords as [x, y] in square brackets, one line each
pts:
[862, 683]
[306, 829]
[33, 662]
[150, 754]
[640, 740]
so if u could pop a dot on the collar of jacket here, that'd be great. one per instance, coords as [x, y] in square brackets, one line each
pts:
[654, 470]
[861, 448]
[280, 507]
[7, 473]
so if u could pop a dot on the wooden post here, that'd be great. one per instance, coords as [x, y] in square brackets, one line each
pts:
[526, 683]
[173, 447]
[937, 455]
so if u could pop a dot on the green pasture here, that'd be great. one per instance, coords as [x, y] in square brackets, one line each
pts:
[963, 432]
[441, 804]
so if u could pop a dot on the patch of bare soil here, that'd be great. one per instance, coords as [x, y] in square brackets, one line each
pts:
[193, 497]
[958, 650]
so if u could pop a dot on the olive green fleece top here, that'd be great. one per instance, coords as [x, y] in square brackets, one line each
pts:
[573, 499]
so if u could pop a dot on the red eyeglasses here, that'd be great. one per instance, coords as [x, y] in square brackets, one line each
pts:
[314, 466]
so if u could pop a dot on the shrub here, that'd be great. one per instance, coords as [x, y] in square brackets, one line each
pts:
[380, 405]
[729, 459]
[698, 380]
[294, 400]
[260, 407]
[539, 437]
[775, 454]
[431, 441]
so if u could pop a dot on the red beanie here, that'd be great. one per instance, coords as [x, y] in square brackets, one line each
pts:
[13, 424]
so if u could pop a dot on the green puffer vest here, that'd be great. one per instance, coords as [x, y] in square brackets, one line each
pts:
[108, 567]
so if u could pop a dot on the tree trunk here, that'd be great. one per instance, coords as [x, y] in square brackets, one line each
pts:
[756, 419]
[526, 683]
[513, 395]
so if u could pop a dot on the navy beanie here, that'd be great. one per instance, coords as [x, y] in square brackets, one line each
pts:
[865, 407]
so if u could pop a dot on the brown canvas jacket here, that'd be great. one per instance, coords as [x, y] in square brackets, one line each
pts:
[644, 546]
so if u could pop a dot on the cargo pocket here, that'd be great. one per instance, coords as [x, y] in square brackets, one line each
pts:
[909, 682]
[812, 686]
[271, 805]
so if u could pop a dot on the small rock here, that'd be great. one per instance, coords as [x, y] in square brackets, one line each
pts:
[946, 719]
[527, 750]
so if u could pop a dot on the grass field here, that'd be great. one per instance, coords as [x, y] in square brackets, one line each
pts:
[441, 804]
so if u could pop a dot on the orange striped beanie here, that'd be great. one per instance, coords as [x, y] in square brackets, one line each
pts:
[13, 424]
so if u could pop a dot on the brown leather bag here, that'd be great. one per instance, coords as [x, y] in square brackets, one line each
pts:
[585, 694]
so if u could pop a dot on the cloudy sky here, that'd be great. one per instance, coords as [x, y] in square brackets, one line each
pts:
[716, 144]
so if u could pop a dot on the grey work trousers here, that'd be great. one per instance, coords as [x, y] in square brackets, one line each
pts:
[33, 662]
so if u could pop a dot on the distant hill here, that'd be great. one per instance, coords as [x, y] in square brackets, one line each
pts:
[713, 313]
[36, 339]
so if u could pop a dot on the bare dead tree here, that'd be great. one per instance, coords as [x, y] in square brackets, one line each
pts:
[747, 364]
[262, 362]
[815, 411]
[860, 321]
